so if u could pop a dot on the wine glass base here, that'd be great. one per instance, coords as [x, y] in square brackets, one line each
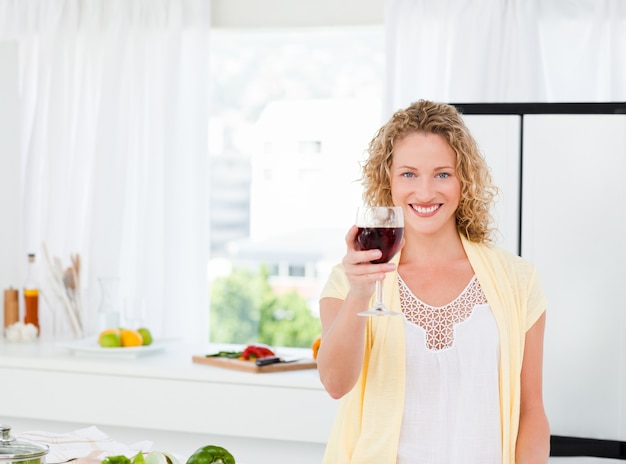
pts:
[374, 312]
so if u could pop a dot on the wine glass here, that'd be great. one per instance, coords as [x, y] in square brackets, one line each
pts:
[380, 228]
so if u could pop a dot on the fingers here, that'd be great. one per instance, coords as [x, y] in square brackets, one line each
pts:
[369, 272]
[359, 257]
[353, 254]
[360, 270]
[358, 266]
[351, 237]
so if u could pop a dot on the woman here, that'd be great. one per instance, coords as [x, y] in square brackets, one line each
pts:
[458, 378]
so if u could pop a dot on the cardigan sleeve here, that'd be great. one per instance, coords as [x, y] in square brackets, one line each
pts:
[536, 298]
[337, 285]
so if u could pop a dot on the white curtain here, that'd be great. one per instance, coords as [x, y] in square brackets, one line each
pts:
[480, 51]
[113, 100]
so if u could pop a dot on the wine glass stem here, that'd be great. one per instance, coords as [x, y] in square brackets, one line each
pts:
[379, 294]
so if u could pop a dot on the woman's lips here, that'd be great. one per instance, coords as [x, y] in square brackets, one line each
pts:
[426, 210]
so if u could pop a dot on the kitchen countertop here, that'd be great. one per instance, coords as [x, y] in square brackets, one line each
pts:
[174, 361]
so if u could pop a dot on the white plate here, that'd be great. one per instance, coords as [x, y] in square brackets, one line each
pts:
[90, 347]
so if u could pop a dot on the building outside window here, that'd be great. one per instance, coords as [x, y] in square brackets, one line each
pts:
[292, 112]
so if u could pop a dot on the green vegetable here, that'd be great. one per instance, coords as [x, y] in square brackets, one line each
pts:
[211, 454]
[225, 354]
[31, 461]
[116, 460]
[158, 457]
[139, 459]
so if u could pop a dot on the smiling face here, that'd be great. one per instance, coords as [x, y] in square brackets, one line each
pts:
[424, 182]
[420, 121]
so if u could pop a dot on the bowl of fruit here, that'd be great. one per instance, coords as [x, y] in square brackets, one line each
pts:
[117, 342]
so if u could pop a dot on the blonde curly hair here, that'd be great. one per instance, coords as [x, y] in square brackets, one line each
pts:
[473, 215]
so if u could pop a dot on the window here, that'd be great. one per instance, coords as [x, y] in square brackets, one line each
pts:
[297, 270]
[292, 112]
[309, 147]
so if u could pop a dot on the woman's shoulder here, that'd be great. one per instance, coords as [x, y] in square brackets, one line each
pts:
[502, 252]
[504, 268]
[506, 257]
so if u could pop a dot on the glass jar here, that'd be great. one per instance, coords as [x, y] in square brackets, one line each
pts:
[110, 305]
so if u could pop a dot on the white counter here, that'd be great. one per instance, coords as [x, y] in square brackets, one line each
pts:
[166, 398]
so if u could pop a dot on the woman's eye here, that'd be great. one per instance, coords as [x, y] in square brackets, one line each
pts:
[443, 175]
[408, 174]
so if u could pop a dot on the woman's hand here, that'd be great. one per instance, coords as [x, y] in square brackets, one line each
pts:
[361, 273]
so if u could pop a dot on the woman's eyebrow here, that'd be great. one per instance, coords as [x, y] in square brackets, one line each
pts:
[438, 168]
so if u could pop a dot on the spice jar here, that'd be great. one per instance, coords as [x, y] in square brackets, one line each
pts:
[11, 307]
[14, 450]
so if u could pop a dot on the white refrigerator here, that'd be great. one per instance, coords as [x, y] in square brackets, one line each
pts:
[563, 176]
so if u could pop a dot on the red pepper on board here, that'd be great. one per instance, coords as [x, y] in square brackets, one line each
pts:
[252, 352]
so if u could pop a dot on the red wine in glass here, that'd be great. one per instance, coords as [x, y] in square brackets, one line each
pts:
[385, 239]
[380, 228]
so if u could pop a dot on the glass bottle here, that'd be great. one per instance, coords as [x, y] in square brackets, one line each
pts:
[31, 294]
[109, 308]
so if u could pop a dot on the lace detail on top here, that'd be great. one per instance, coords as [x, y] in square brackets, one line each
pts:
[438, 322]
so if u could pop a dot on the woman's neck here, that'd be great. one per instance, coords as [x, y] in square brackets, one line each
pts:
[439, 248]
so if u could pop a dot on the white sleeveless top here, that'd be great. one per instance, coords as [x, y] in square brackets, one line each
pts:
[452, 407]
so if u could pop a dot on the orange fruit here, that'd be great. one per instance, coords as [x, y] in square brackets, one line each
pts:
[130, 338]
[316, 346]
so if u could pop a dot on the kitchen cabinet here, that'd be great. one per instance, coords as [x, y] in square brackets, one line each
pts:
[164, 397]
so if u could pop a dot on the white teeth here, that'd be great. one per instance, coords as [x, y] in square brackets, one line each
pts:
[421, 210]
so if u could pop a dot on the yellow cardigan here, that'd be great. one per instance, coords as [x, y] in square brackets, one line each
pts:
[367, 426]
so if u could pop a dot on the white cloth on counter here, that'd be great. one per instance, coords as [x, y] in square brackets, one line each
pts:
[84, 444]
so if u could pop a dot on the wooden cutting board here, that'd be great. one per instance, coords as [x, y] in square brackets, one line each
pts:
[250, 366]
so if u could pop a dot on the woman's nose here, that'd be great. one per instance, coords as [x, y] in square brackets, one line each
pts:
[424, 190]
